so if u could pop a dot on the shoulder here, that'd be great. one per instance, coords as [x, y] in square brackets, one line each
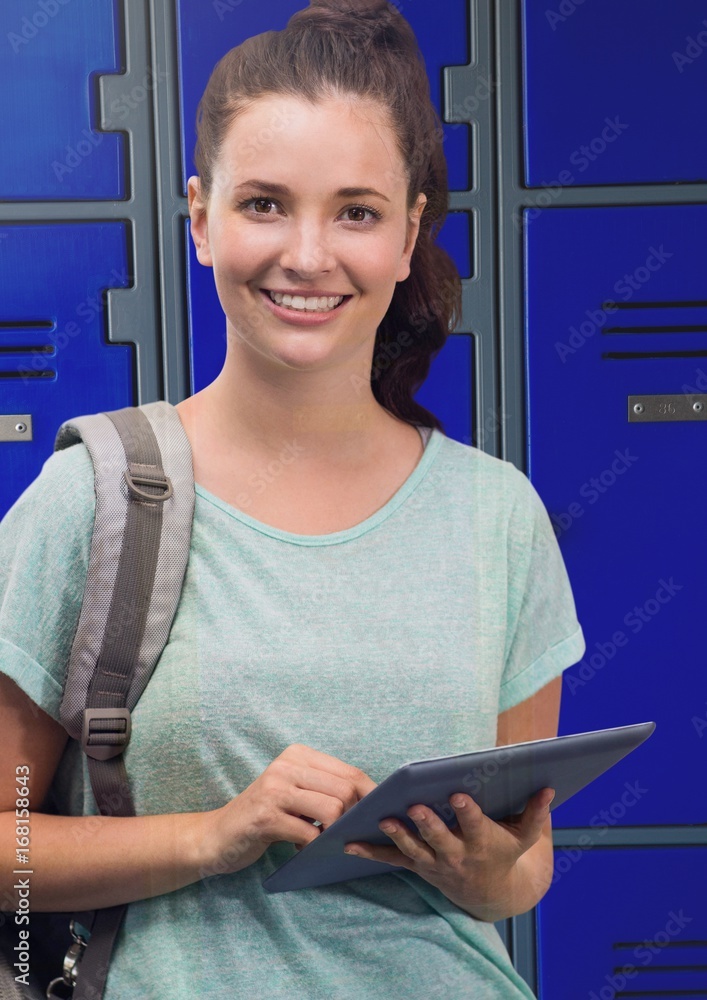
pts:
[494, 482]
[45, 543]
[65, 473]
[56, 509]
[494, 500]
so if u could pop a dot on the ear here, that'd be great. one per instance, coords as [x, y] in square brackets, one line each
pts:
[199, 223]
[412, 234]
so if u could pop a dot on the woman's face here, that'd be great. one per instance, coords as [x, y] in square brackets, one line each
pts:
[308, 200]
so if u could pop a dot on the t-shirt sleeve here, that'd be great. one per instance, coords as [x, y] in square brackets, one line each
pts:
[543, 634]
[45, 541]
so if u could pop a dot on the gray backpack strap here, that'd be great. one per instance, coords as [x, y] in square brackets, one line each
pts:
[112, 615]
[139, 552]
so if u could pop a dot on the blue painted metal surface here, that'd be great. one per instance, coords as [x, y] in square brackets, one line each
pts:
[626, 499]
[641, 928]
[52, 146]
[614, 91]
[448, 390]
[54, 359]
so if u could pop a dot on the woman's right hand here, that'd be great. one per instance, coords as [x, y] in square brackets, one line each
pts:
[300, 786]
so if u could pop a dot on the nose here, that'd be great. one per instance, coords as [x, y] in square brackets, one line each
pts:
[306, 249]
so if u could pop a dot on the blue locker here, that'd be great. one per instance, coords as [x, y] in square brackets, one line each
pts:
[614, 92]
[55, 362]
[448, 391]
[616, 307]
[640, 931]
[52, 53]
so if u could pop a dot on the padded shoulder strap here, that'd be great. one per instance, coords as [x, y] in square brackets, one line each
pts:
[111, 611]
[144, 486]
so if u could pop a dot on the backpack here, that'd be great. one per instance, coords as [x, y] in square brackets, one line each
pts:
[144, 485]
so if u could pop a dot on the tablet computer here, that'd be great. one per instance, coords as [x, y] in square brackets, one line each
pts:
[500, 780]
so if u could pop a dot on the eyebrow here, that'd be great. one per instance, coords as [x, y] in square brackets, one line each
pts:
[281, 189]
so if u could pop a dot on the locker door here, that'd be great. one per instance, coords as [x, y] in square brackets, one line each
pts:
[614, 92]
[55, 362]
[615, 310]
[52, 54]
[66, 237]
[641, 930]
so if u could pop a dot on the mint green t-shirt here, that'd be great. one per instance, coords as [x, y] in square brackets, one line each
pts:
[398, 639]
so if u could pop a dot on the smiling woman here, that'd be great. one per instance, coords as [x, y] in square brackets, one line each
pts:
[361, 589]
[282, 248]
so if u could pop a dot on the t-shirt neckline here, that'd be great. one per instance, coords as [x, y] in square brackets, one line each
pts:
[432, 446]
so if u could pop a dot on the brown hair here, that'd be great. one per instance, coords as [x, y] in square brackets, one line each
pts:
[365, 48]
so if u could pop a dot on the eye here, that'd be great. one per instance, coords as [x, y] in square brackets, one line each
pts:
[360, 212]
[260, 205]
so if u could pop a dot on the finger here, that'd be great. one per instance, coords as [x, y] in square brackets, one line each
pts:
[530, 824]
[409, 843]
[316, 759]
[375, 852]
[470, 817]
[434, 831]
[311, 806]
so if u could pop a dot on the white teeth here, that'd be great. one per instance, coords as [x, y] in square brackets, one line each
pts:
[322, 303]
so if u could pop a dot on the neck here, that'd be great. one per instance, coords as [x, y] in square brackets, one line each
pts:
[328, 416]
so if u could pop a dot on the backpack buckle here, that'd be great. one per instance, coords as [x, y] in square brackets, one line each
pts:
[106, 732]
[72, 960]
[148, 475]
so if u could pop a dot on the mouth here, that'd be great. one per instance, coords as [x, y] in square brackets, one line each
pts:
[306, 304]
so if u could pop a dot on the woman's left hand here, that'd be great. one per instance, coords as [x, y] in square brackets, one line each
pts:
[474, 865]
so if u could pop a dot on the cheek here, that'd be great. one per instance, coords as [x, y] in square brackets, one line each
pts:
[238, 258]
[379, 262]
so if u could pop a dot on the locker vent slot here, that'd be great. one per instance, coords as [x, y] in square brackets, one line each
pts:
[31, 348]
[623, 355]
[27, 349]
[656, 329]
[684, 304]
[24, 324]
[667, 959]
[698, 324]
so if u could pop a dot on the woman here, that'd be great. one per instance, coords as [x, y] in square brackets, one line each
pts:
[361, 591]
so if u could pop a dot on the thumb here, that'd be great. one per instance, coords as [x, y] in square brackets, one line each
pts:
[534, 817]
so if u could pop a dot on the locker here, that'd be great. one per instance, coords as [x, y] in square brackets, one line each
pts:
[448, 390]
[52, 53]
[615, 308]
[614, 92]
[55, 361]
[641, 929]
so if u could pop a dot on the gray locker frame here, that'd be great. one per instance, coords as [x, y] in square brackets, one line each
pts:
[152, 313]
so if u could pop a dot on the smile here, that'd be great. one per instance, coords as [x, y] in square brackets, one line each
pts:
[315, 304]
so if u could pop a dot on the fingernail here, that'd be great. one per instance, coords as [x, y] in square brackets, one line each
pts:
[350, 850]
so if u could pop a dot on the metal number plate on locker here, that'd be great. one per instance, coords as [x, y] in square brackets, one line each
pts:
[15, 427]
[681, 406]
